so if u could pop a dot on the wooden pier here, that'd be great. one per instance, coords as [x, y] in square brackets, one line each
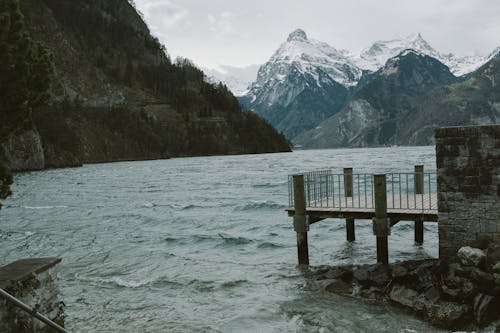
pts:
[385, 199]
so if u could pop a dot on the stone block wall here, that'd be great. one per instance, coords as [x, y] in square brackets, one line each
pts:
[468, 167]
[33, 282]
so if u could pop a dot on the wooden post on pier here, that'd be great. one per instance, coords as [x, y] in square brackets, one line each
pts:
[299, 219]
[381, 224]
[350, 229]
[419, 189]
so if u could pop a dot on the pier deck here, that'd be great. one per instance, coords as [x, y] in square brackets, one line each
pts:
[399, 208]
[386, 199]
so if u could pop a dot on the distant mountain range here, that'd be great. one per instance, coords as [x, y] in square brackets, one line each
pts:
[306, 83]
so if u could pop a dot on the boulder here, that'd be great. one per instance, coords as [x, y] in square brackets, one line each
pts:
[339, 287]
[332, 285]
[403, 295]
[378, 274]
[446, 314]
[482, 308]
[493, 255]
[470, 256]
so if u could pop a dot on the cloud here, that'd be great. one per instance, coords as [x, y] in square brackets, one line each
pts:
[164, 16]
[222, 25]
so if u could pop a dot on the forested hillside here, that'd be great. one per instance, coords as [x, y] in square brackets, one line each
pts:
[115, 94]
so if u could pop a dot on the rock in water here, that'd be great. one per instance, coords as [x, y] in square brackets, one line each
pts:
[470, 256]
[404, 296]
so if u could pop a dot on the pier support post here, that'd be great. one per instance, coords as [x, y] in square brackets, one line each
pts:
[419, 189]
[299, 219]
[419, 231]
[381, 224]
[350, 228]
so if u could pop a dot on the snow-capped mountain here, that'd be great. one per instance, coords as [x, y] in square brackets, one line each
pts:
[375, 56]
[237, 79]
[307, 81]
[302, 74]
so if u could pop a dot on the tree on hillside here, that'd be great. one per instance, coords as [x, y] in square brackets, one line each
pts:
[25, 73]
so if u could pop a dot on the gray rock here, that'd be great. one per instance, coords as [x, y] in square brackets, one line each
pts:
[433, 294]
[482, 305]
[404, 296]
[496, 267]
[470, 256]
[493, 255]
[483, 280]
[377, 274]
[399, 272]
[451, 293]
[333, 285]
[23, 151]
[447, 314]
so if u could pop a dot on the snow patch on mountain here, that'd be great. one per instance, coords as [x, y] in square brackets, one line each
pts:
[375, 56]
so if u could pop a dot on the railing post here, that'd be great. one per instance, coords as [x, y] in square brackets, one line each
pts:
[299, 219]
[381, 224]
[419, 179]
[348, 192]
[419, 189]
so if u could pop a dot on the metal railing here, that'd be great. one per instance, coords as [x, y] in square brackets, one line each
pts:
[405, 191]
[32, 312]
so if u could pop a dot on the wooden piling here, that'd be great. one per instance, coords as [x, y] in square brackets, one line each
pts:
[299, 219]
[381, 225]
[419, 231]
[348, 192]
[419, 189]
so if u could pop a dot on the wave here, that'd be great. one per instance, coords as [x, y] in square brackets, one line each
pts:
[231, 240]
[270, 245]
[44, 207]
[268, 185]
[260, 205]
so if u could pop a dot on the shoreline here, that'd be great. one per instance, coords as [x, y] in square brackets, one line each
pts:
[454, 296]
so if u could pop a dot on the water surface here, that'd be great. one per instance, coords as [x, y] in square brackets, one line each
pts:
[202, 244]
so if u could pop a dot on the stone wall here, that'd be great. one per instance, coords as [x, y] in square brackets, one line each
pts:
[468, 166]
[33, 282]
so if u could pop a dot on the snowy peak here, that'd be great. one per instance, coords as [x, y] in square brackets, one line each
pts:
[300, 55]
[375, 56]
[297, 35]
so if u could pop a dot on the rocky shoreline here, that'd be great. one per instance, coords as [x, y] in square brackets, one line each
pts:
[464, 294]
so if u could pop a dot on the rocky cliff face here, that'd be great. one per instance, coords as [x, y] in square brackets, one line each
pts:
[23, 151]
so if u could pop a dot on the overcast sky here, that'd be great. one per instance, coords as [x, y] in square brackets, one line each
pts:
[239, 33]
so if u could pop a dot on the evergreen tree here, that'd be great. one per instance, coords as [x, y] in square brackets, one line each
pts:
[24, 78]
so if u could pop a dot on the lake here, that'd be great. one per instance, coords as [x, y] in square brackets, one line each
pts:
[202, 244]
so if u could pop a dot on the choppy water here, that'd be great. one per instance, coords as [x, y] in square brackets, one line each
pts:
[201, 244]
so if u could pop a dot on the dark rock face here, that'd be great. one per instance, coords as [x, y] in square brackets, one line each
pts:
[448, 295]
